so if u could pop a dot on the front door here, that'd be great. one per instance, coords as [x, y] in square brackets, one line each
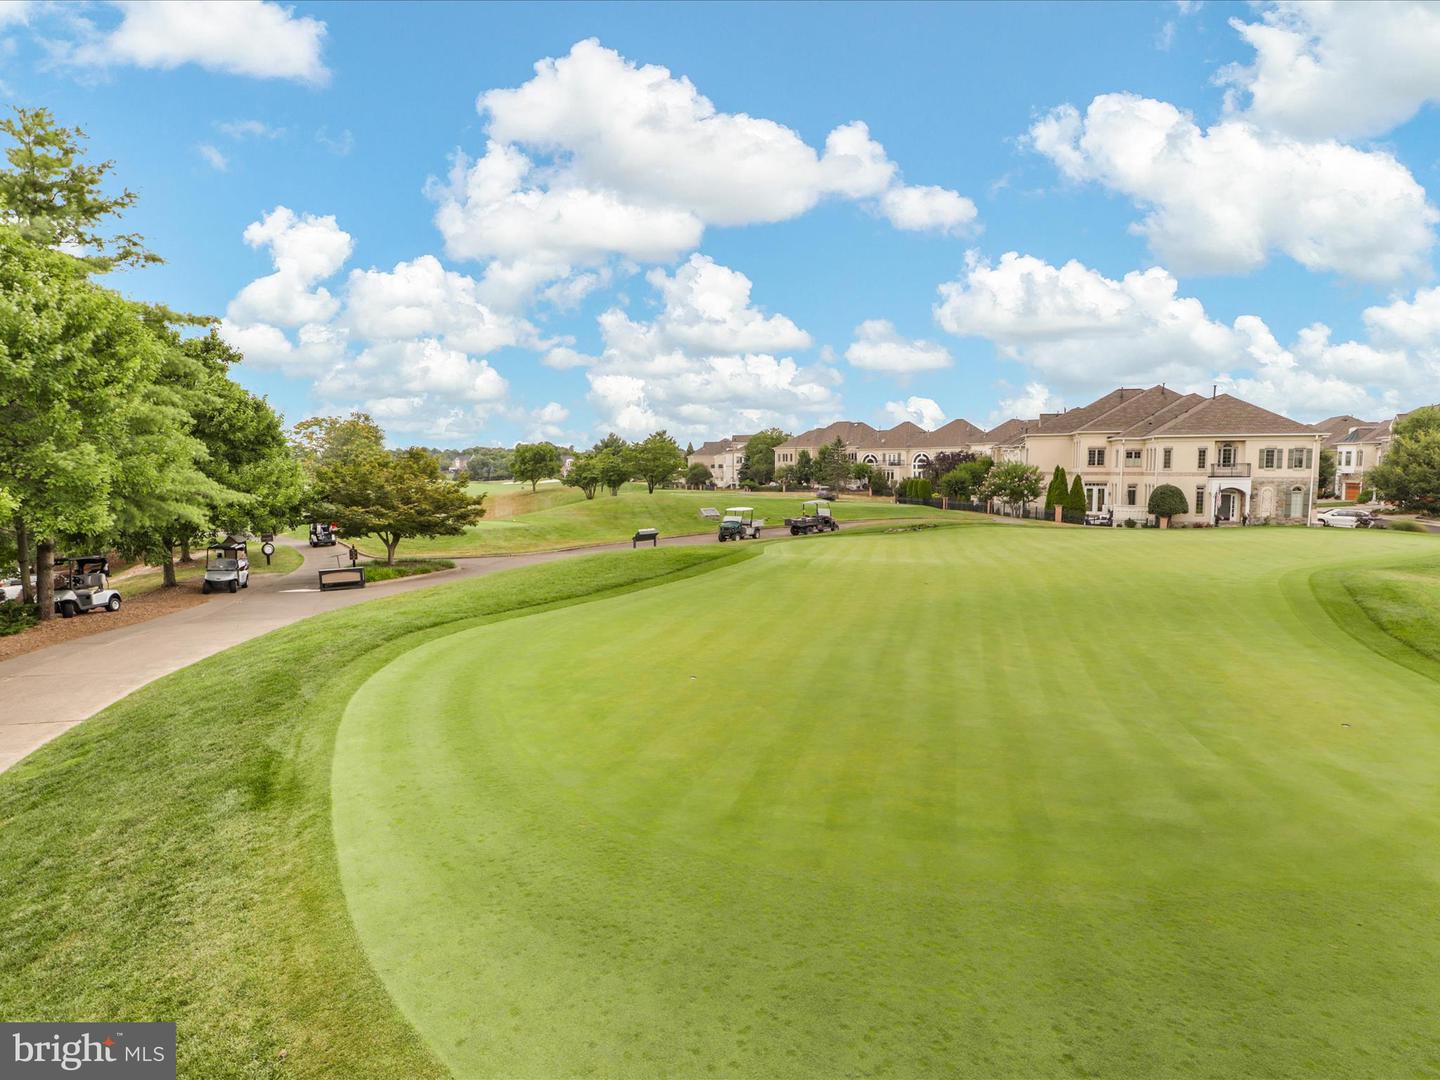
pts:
[1227, 506]
[1094, 499]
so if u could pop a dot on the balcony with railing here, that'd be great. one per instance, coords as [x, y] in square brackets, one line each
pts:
[1236, 468]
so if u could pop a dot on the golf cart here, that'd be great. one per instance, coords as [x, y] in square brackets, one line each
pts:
[739, 524]
[322, 534]
[815, 516]
[82, 585]
[226, 566]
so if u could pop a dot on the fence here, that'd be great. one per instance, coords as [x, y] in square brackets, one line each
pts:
[1034, 511]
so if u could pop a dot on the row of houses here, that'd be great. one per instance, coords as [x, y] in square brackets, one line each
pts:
[1235, 461]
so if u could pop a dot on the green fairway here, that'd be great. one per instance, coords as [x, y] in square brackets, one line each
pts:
[977, 802]
[559, 517]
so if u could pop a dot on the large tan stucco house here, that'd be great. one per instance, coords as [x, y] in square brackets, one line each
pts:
[900, 452]
[1234, 461]
[723, 457]
[1359, 446]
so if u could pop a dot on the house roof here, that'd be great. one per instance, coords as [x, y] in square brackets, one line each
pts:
[902, 434]
[711, 448]
[850, 432]
[957, 432]
[1224, 414]
[1068, 423]
[1161, 416]
[1338, 427]
[1008, 432]
[1133, 410]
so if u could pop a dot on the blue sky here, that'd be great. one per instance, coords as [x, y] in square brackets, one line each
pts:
[1044, 201]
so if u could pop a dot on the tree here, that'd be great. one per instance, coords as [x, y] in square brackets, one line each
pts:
[760, 455]
[614, 467]
[944, 462]
[54, 198]
[371, 492]
[657, 460]
[1013, 482]
[697, 476]
[873, 477]
[963, 482]
[1325, 472]
[803, 474]
[1166, 501]
[489, 463]
[831, 467]
[533, 462]
[75, 364]
[583, 475]
[1409, 473]
[1059, 489]
[1075, 501]
[785, 476]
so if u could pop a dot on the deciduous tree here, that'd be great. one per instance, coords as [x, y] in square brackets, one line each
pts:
[533, 462]
[657, 460]
[1409, 474]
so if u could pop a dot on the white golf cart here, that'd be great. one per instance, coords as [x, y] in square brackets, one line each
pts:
[226, 566]
[82, 585]
[739, 524]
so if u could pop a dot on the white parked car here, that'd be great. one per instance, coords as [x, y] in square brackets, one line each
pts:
[1346, 517]
[9, 589]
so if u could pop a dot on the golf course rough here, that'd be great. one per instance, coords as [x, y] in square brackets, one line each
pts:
[982, 802]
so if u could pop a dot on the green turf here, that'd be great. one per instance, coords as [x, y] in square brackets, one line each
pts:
[558, 517]
[172, 858]
[379, 571]
[976, 802]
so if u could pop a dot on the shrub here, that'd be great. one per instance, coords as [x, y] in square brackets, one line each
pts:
[1167, 500]
[1365, 496]
[1075, 501]
[916, 487]
[1059, 489]
[1129, 523]
[15, 616]
[1398, 526]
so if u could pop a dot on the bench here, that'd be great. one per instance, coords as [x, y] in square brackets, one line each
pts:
[342, 577]
[709, 513]
[653, 535]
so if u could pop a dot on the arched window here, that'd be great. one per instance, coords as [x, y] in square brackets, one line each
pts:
[917, 467]
[871, 460]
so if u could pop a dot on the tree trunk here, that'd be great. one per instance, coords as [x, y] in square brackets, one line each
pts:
[185, 555]
[533, 483]
[22, 543]
[45, 578]
[167, 564]
[650, 487]
[390, 546]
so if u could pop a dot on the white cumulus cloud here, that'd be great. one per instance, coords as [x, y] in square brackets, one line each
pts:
[1225, 198]
[878, 346]
[238, 37]
[1342, 70]
[922, 411]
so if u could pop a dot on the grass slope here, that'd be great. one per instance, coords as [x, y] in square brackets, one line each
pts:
[553, 518]
[172, 858]
[975, 802]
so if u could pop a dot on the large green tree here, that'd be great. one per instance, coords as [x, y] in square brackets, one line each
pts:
[657, 460]
[533, 462]
[1013, 482]
[1409, 473]
[76, 365]
[369, 491]
[832, 468]
[583, 474]
[56, 198]
[760, 455]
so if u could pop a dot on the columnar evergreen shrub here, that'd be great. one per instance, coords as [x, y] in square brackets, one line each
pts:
[1075, 501]
[1058, 491]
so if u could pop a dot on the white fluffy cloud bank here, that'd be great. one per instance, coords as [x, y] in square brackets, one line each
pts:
[238, 37]
[1224, 199]
[408, 344]
[598, 156]
[878, 346]
[708, 362]
[1080, 332]
[922, 411]
[1344, 70]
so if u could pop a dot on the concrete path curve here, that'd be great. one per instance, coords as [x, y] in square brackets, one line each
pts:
[49, 691]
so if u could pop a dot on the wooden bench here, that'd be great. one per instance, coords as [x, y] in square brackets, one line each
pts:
[653, 535]
[342, 577]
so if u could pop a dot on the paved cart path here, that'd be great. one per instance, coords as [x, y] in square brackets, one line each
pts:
[49, 691]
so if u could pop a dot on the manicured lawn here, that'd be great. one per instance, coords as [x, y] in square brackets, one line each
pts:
[974, 802]
[172, 858]
[984, 801]
[378, 571]
[560, 517]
